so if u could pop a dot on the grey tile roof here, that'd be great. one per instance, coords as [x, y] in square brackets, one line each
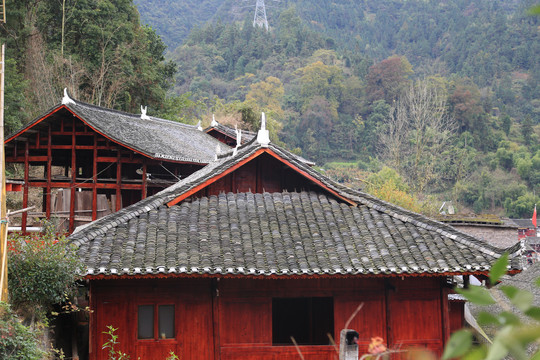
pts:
[247, 135]
[523, 223]
[279, 233]
[154, 137]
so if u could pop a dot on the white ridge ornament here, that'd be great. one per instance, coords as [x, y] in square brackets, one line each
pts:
[143, 113]
[218, 151]
[214, 122]
[66, 100]
[263, 136]
[199, 127]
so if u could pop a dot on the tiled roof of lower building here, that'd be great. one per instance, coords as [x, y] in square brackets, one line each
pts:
[283, 233]
[276, 233]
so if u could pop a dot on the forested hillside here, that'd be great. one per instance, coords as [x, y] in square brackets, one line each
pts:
[415, 101]
[97, 49]
[334, 75]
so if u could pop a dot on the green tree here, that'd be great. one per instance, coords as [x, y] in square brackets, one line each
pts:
[388, 79]
[527, 130]
[42, 271]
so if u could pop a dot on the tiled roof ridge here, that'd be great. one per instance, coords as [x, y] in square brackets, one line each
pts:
[168, 194]
[131, 115]
[395, 210]
[230, 152]
[270, 227]
[100, 226]
[33, 121]
[230, 129]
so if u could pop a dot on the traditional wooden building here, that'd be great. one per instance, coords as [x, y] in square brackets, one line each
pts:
[256, 247]
[83, 161]
[226, 134]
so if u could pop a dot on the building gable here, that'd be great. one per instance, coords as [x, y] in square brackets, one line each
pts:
[262, 171]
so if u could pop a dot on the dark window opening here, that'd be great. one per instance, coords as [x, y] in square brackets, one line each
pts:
[166, 321]
[148, 328]
[308, 320]
[146, 322]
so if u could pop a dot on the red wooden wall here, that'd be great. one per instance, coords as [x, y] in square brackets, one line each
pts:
[271, 175]
[232, 318]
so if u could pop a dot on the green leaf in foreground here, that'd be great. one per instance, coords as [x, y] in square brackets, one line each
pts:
[535, 10]
[521, 299]
[460, 342]
[498, 269]
[533, 312]
[477, 295]
[485, 318]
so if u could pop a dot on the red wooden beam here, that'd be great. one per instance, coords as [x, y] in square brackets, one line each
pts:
[94, 178]
[248, 159]
[279, 277]
[144, 180]
[445, 313]
[49, 167]
[84, 185]
[118, 180]
[305, 174]
[215, 178]
[25, 191]
[34, 124]
[73, 180]
[215, 318]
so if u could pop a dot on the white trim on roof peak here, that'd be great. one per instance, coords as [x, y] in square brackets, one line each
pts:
[218, 151]
[263, 136]
[199, 127]
[143, 113]
[66, 100]
[214, 122]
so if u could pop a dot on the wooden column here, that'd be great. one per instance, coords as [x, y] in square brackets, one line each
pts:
[445, 318]
[73, 180]
[216, 317]
[94, 174]
[25, 187]
[49, 167]
[389, 335]
[144, 180]
[118, 179]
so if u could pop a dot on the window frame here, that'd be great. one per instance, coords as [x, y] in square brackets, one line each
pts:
[155, 327]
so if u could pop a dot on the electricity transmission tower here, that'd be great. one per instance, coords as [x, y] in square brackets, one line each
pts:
[260, 18]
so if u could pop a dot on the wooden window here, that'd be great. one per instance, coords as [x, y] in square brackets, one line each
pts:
[148, 328]
[309, 320]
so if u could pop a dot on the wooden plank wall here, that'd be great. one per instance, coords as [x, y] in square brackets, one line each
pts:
[232, 318]
[271, 176]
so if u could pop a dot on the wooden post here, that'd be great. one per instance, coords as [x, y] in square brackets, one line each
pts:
[25, 186]
[144, 180]
[49, 167]
[73, 180]
[118, 179]
[445, 316]
[94, 175]
[215, 318]
[3, 211]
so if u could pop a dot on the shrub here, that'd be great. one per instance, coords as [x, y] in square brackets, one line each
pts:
[42, 271]
[17, 342]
